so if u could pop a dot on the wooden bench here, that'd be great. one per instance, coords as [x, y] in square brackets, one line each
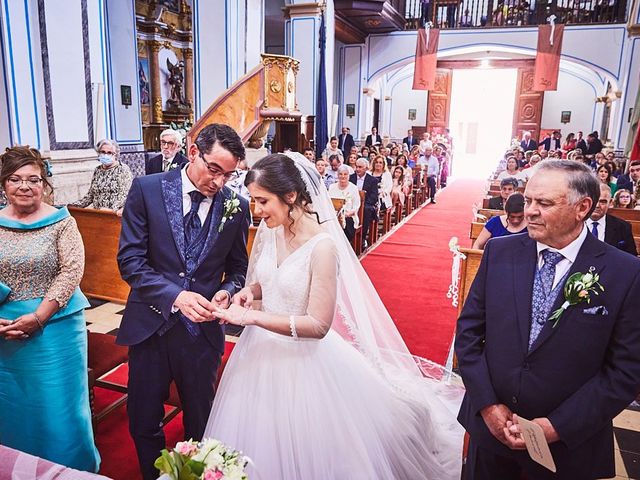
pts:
[488, 213]
[476, 228]
[100, 231]
[468, 269]
[625, 214]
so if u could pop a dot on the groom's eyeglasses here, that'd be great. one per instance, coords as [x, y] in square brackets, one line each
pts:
[216, 172]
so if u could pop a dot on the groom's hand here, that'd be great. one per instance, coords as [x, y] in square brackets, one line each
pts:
[194, 306]
[496, 418]
[222, 299]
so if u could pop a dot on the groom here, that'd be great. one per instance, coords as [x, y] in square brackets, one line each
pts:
[573, 378]
[180, 259]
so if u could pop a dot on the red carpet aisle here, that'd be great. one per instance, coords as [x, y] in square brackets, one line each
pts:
[411, 269]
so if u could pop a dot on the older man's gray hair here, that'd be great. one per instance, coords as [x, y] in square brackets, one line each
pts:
[108, 141]
[362, 161]
[581, 180]
[173, 133]
[343, 168]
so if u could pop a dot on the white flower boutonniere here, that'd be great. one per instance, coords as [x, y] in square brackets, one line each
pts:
[231, 207]
[578, 289]
[173, 166]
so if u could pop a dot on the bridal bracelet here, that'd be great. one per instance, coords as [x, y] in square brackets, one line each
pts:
[292, 326]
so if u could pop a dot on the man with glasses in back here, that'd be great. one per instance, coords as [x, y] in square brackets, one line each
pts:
[183, 251]
[170, 157]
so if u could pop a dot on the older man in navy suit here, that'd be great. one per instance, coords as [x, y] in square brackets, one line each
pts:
[571, 377]
[370, 185]
[182, 251]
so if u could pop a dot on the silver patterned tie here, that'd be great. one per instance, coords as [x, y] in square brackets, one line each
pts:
[542, 286]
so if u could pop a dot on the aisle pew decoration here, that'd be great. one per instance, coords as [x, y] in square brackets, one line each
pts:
[206, 460]
[455, 270]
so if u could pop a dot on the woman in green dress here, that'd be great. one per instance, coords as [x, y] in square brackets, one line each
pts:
[44, 397]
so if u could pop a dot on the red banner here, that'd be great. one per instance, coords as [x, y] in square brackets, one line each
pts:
[548, 57]
[635, 150]
[424, 75]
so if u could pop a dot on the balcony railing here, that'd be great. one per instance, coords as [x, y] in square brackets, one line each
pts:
[511, 13]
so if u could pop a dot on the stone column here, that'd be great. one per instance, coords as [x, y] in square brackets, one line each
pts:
[187, 54]
[154, 73]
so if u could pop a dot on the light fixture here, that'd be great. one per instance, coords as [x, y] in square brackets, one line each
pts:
[485, 63]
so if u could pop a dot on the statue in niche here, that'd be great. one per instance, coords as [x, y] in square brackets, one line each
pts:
[176, 79]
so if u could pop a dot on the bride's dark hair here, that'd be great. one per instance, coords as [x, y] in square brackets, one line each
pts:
[279, 175]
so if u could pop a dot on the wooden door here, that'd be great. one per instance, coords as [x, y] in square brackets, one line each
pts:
[527, 113]
[439, 101]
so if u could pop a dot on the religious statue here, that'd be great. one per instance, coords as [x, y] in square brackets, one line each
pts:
[176, 79]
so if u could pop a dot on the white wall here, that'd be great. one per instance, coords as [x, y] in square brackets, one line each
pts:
[349, 86]
[5, 120]
[226, 46]
[122, 61]
[404, 98]
[576, 95]
[99, 74]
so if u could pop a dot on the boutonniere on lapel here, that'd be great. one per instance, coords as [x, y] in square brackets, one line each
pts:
[231, 207]
[578, 289]
[173, 166]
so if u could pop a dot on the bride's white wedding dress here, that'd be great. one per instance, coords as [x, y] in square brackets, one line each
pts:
[318, 409]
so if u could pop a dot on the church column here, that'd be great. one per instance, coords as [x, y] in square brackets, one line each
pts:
[154, 73]
[188, 76]
[302, 43]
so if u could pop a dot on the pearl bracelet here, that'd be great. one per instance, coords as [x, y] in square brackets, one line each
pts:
[38, 320]
[292, 326]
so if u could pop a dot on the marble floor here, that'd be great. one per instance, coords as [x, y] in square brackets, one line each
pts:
[105, 317]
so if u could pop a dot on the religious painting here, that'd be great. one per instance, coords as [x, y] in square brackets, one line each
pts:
[565, 116]
[125, 95]
[172, 5]
[143, 80]
[351, 110]
[412, 113]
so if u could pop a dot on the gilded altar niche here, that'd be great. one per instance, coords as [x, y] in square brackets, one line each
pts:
[165, 66]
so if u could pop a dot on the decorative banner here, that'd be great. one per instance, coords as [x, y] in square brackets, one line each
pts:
[424, 75]
[548, 57]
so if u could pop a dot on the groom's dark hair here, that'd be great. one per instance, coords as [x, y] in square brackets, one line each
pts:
[222, 134]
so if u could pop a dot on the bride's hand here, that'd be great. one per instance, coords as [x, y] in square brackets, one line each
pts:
[243, 298]
[235, 315]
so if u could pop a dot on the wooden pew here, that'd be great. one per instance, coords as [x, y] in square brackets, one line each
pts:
[488, 213]
[468, 269]
[100, 231]
[476, 228]
[625, 213]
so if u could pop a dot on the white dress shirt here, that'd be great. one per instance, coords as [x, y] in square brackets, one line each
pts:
[602, 224]
[188, 187]
[360, 181]
[570, 252]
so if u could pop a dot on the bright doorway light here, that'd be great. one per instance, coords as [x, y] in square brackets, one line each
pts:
[481, 118]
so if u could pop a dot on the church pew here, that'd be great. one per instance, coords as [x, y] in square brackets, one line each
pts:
[625, 213]
[476, 228]
[488, 213]
[100, 231]
[468, 269]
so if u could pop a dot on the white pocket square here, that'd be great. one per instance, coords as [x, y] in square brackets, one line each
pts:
[599, 310]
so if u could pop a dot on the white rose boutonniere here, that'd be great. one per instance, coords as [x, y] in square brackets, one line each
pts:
[231, 207]
[578, 289]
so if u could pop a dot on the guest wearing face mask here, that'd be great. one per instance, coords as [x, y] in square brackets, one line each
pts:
[111, 180]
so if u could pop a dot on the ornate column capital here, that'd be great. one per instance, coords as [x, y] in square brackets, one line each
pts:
[188, 53]
[155, 46]
[303, 10]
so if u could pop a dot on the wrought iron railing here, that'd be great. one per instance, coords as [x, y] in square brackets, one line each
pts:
[511, 13]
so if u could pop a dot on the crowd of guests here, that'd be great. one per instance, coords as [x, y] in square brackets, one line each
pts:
[383, 169]
[619, 182]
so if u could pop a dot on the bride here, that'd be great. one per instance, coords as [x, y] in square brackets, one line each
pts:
[320, 384]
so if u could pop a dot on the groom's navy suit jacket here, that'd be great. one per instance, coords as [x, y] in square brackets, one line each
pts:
[580, 374]
[151, 256]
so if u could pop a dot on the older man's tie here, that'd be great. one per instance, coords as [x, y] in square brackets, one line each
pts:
[542, 286]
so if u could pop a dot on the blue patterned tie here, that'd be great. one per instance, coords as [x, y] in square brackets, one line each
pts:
[192, 223]
[542, 286]
[594, 229]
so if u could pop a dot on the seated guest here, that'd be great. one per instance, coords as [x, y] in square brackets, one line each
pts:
[623, 199]
[378, 169]
[628, 181]
[364, 152]
[552, 141]
[111, 180]
[511, 171]
[321, 167]
[569, 143]
[507, 187]
[44, 393]
[425, 142]
[332, 149]
[347, 191]
[414, 156]
[366, 182]
[170, 155]
[511, 223]
[401, 188]
[403, 162]
[615, 171]
[604, 175]
[309, 154]
[351, 161]
[610, 229]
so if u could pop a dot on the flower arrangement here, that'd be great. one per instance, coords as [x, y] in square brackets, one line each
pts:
[577, 289]
[206, 460]
[231, 207]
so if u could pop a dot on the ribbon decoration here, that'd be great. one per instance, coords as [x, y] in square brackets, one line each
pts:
[458, 256]
[552, 21]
